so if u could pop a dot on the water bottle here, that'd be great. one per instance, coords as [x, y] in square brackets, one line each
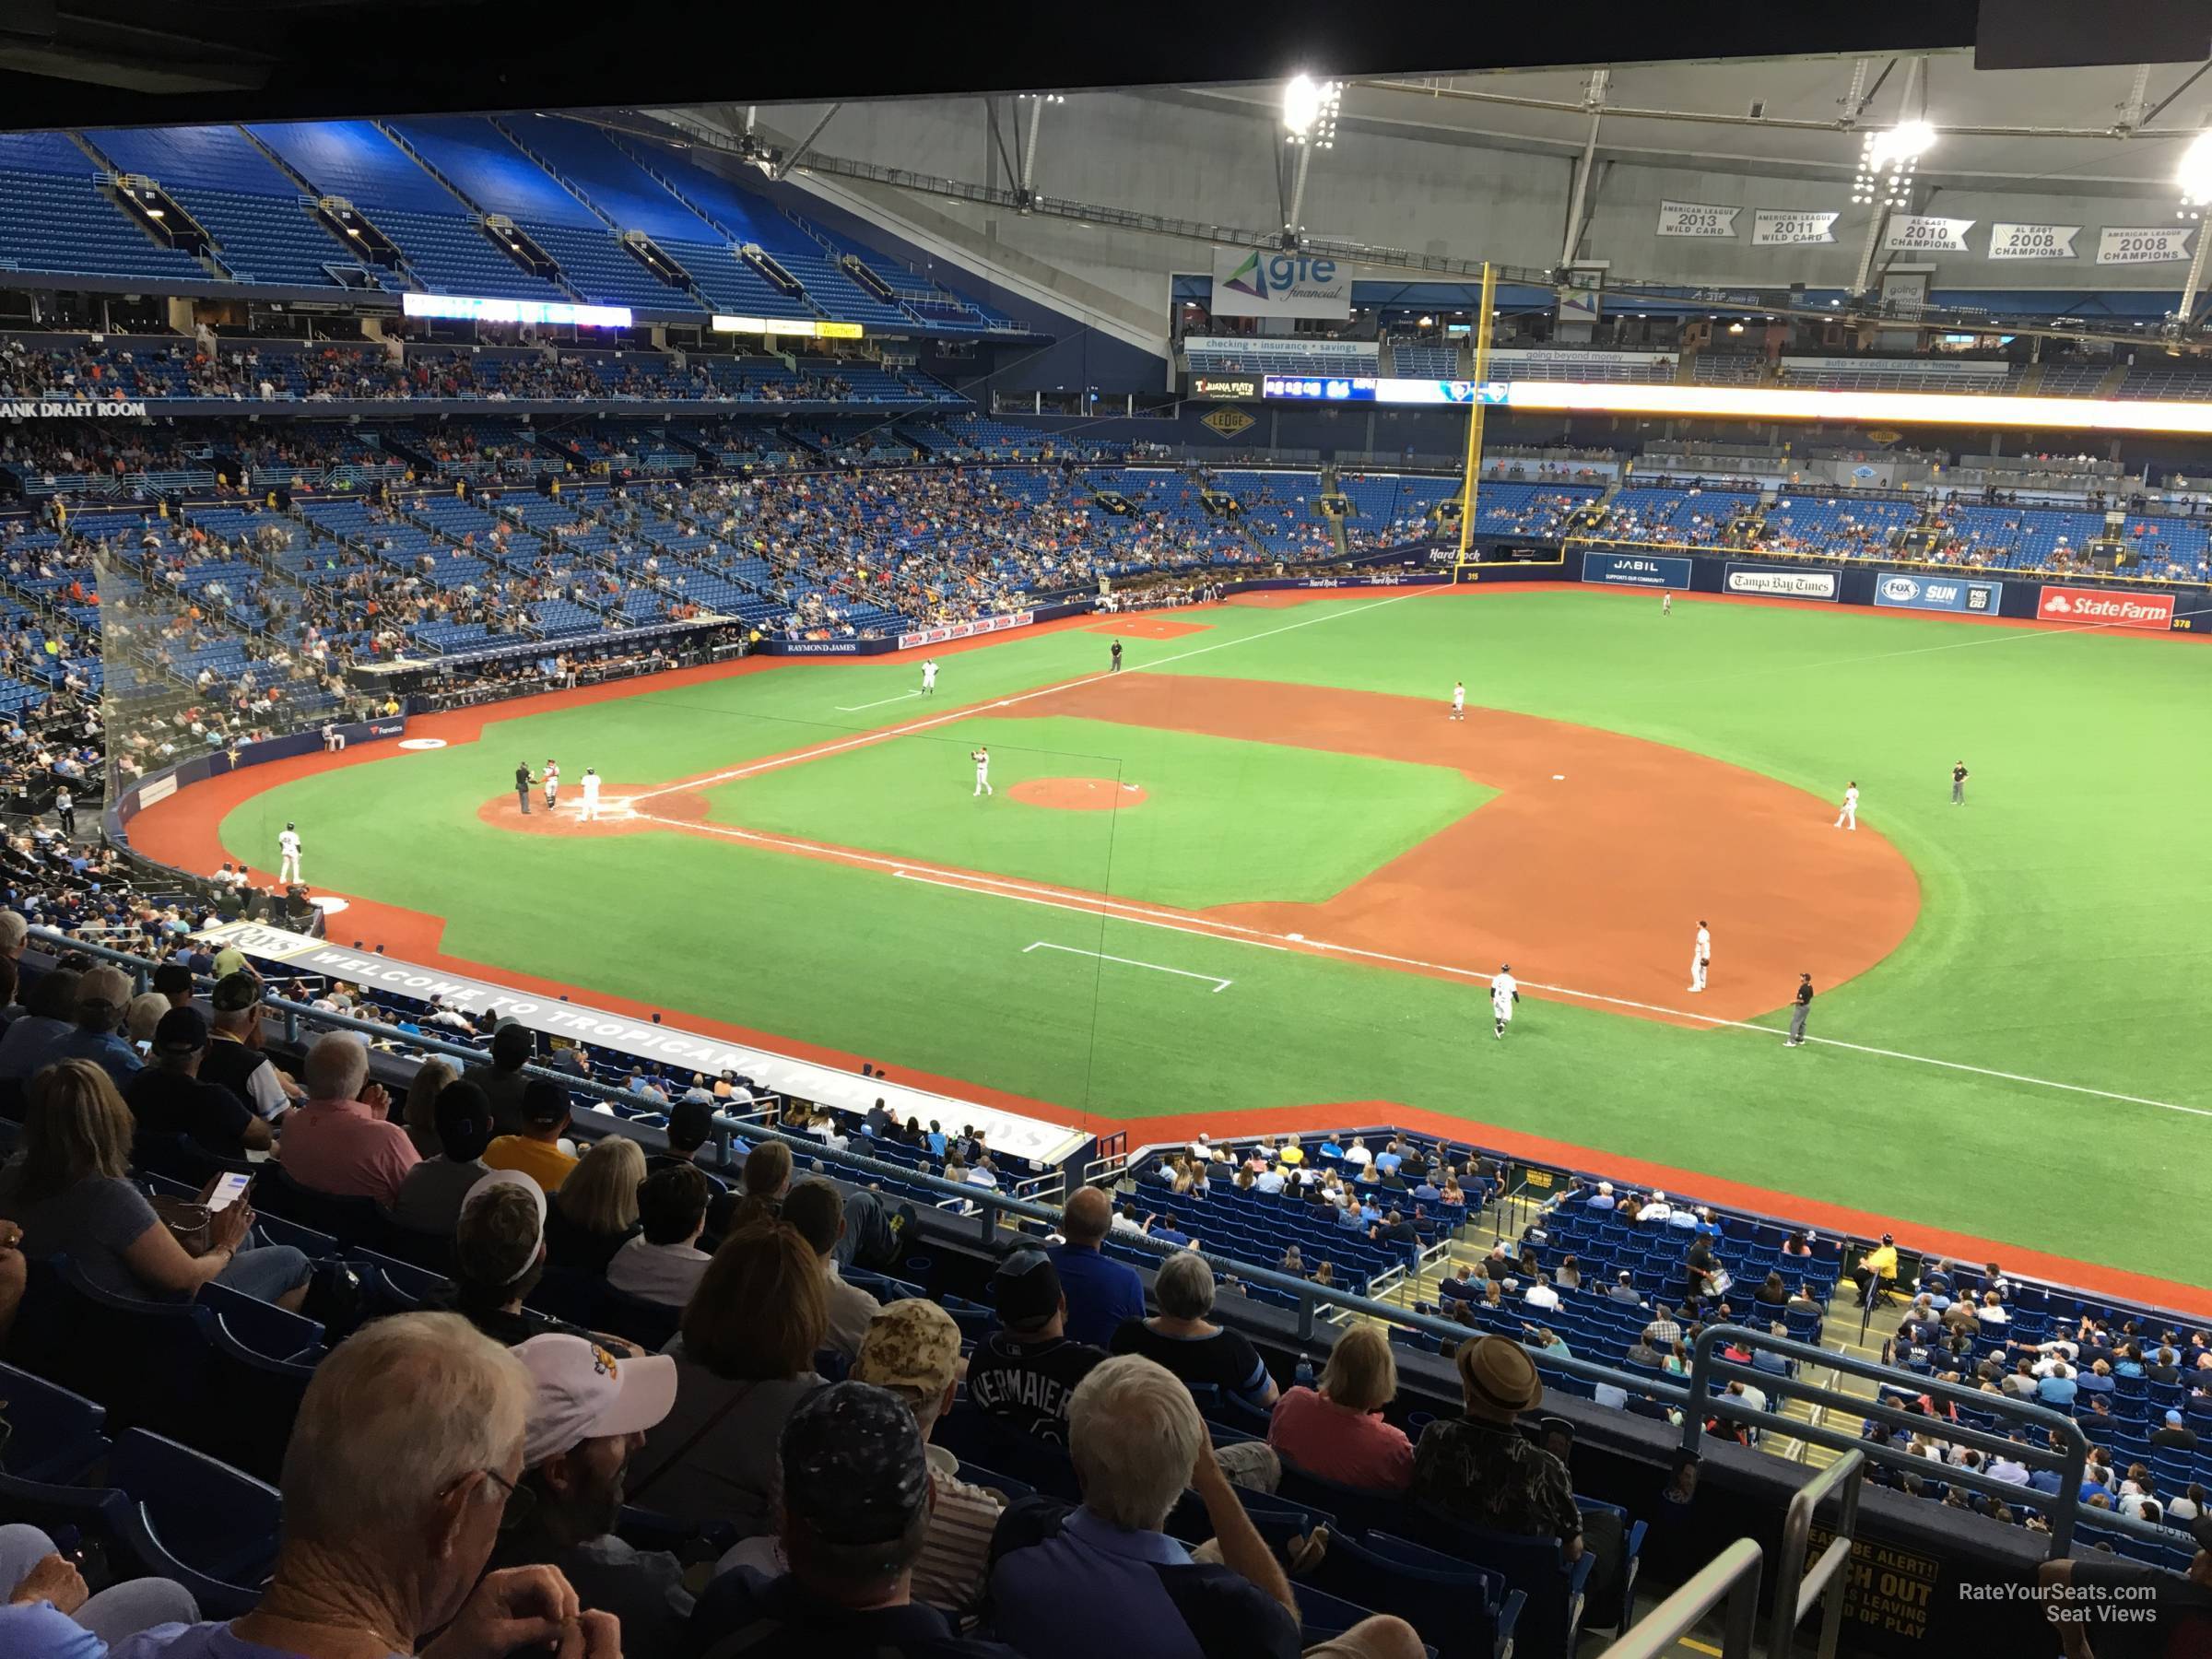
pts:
[1305, 1372]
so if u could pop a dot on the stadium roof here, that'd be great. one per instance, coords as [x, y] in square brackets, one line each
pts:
[2114, 125]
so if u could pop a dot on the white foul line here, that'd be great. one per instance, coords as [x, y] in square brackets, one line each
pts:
[878, 703]
[819, 751]
[1232, 933]
[1219, 985]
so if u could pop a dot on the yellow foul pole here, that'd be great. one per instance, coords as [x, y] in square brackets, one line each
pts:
[1482, 373]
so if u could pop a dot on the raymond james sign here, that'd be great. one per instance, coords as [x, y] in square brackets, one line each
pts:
[64, 408]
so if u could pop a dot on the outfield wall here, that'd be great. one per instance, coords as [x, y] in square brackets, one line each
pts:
[2122, 603]
[123, 805]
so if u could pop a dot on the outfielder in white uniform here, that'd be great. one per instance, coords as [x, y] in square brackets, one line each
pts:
[591, 796]
[982, 758]
[1505, 991]
[288, 848]
[1459, 700]
[1666, 605]
[1700, 958]
[1849, 817]
[552, 782]
[929, 677]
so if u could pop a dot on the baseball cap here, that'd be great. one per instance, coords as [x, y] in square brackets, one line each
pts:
[912, 1347]
[853, 1469]
[181, 1031]
[544, 1103]
[690, 1123]
[463, 1114]
[1026, 1290]
[235, 991]
[581, 1392]
[481, 1250]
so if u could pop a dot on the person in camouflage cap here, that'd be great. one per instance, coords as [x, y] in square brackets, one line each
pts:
[913, 1348]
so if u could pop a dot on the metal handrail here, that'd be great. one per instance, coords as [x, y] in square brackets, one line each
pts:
[1707, 1367]
[1795, 1590]
[1731, 1577]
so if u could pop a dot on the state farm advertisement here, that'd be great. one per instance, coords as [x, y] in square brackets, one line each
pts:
[2091, 608]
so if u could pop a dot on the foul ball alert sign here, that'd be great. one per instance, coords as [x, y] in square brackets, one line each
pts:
[2087, 606]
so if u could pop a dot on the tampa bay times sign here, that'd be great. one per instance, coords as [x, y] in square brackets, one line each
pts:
[43, 409]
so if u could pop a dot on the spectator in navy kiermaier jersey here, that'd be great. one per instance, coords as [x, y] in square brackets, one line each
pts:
[1024, 1373]
[1100, 1291]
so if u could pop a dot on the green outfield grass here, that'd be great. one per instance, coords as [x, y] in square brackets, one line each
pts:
[2063, 935]
[1222, 822]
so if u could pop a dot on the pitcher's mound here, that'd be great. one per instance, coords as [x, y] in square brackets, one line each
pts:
[1078, 794]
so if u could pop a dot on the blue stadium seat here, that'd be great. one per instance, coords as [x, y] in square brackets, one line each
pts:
[1465, 1612]
[52, 1434]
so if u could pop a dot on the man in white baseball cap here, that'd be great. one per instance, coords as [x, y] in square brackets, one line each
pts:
[589, 1412]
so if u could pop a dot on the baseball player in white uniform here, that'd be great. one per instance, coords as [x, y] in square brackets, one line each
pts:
[982, 758]
[1459, 700]
[287, 849]
[929, 677]
[1700, 958]
[552, 782]
[1505, 991]
[1666, 604]
[591, 796]
[1849, 817]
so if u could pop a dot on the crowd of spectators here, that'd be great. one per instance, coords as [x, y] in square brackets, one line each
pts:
[135, 368]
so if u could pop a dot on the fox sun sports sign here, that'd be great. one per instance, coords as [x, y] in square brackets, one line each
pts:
[2092, 609]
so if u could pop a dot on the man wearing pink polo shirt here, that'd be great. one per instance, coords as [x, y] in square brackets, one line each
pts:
[340, 1142]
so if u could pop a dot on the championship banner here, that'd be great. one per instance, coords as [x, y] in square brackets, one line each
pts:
[2032, 241]
[1636, 569]
[2093, 608]
[1916, 234]
[1773, 582]
[1789, 227]
[2158, 245]
[1901, 592]
[1695, 219]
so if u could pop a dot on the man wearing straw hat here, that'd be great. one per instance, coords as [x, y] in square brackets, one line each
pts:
[1479, 1468]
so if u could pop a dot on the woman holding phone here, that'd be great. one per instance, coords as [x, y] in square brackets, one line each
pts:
[69, 1190]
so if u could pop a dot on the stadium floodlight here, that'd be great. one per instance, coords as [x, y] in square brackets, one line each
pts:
[1888, 160]
[2194, 177]
[1310, 108]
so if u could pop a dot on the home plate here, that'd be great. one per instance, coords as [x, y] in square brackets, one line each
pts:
[1558, 777]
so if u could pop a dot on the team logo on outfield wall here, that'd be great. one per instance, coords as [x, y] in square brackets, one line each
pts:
[2087, 605]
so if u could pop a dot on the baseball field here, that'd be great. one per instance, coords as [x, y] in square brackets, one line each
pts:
[1260, 876]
